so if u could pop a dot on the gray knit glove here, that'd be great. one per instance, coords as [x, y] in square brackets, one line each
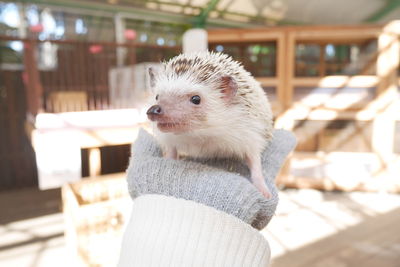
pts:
[220, 183]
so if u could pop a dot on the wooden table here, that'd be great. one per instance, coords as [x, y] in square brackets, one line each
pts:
[59, 137]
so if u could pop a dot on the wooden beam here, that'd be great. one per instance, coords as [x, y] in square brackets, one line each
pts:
[218, 36]
[326, 33]
[281, 71]
[347, 35]
[389, 7]
[387, 68]
[337, 81]
[301, 112]
[289, 70]
[268, 81]
[387, 61]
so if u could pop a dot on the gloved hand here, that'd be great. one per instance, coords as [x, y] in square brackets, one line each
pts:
[223, 184]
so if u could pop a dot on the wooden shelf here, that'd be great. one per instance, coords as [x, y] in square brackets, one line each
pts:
[361, 98]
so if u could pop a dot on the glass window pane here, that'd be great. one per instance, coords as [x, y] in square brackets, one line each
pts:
[351, 59]
[257, 58]
[11, 55]
[10, 21]
[307, 60]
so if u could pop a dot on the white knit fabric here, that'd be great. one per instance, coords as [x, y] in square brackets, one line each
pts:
[167, 231]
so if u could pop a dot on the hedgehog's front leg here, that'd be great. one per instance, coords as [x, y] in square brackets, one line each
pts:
[257, 177]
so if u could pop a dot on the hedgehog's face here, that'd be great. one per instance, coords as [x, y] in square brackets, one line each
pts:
[178, 113]
[182, 105]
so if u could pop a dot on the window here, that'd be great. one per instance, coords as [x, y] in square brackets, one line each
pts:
[317, 60]
[9, 19]
[11, 55]
[308, 58]
[257, 58]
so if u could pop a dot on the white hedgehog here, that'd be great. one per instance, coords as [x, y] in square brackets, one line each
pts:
[208, 105]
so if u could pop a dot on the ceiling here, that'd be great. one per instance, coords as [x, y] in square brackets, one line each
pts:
[256, 12]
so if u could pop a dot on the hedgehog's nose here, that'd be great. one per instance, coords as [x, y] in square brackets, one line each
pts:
[154, 111]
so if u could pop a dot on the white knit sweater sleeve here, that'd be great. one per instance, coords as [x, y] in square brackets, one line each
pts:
[165, 231]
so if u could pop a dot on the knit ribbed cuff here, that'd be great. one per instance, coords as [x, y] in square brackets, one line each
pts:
[166, 231]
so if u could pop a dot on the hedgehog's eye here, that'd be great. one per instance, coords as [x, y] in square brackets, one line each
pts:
[156, 97]
[195, 99]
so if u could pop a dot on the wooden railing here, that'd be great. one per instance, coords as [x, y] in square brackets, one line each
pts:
[65, 75]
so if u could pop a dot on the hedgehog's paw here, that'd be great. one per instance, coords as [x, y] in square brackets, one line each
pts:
[262, 187]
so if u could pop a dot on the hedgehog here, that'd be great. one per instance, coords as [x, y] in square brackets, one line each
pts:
[208, 106]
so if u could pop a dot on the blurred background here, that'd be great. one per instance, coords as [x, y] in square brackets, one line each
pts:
[73, 87]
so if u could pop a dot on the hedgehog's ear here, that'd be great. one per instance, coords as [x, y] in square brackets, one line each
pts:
[152, 77]
[229, 87]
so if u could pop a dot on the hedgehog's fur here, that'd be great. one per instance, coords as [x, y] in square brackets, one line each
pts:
[240, 128]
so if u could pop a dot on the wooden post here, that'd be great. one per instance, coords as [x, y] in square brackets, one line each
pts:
[31, 79]
[285, 119]
[280, 71]
[290, 61]
[387, 66]
[387, 62]
[120, 27]
[94, 162]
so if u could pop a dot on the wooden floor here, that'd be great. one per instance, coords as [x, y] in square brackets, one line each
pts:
[341, 230]
[372, 243]
[310, 229]
[22, 204]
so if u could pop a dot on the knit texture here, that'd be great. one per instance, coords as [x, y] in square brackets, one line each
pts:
[169, 232]
[219, 183]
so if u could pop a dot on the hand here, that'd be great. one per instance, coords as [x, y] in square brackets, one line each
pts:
[220, 183]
